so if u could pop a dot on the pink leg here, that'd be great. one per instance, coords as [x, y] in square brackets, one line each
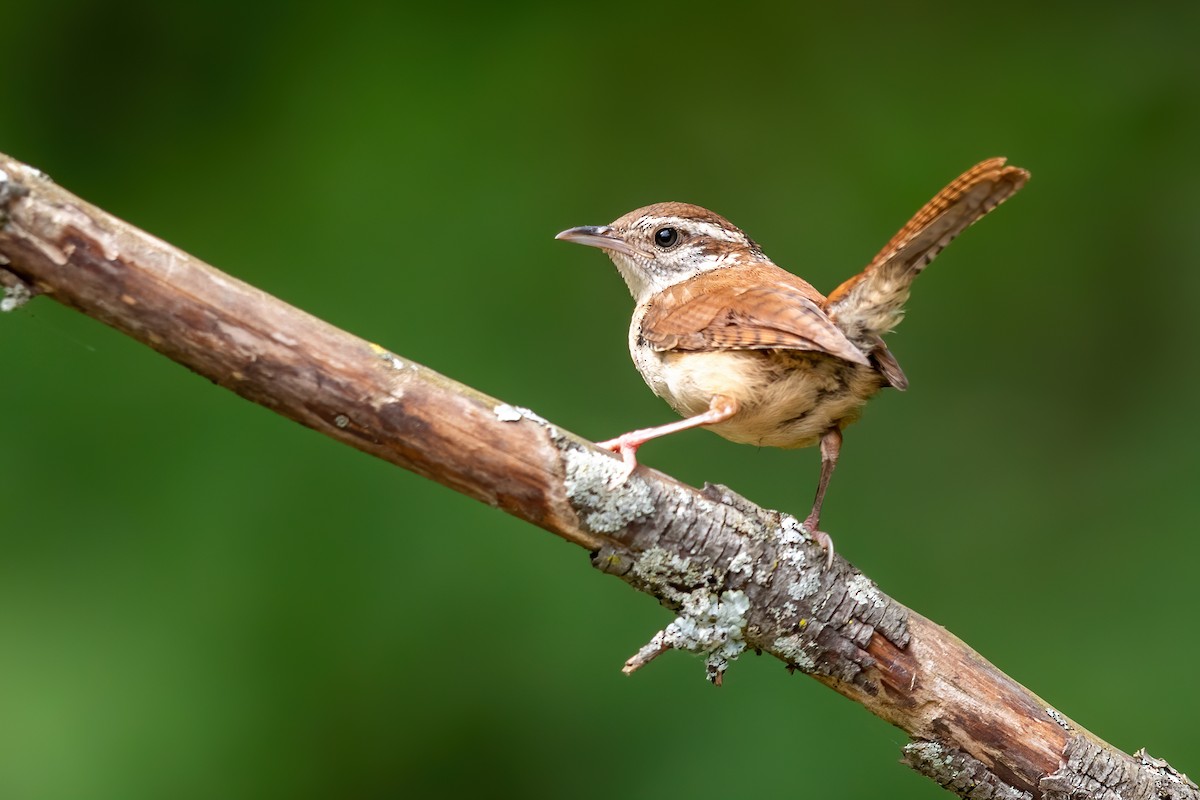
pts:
[720, 409]
[831, 446]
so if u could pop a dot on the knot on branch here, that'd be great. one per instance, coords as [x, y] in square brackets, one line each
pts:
[704, 553]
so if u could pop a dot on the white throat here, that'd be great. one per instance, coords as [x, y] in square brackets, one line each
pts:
[644, 283]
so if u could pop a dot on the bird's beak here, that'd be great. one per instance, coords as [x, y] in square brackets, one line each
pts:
[602, 236]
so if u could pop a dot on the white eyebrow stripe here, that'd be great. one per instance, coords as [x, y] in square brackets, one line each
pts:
[696, 226]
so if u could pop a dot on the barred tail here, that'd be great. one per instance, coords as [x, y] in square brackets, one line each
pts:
[871, 303]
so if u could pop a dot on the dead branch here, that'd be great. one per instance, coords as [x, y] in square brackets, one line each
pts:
[738, 577]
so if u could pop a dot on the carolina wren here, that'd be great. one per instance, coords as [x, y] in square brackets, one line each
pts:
[752, 352]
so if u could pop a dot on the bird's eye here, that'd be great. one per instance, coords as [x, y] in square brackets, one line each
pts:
[666, 238]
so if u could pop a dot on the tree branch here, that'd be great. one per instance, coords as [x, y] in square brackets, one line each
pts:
[737, 576]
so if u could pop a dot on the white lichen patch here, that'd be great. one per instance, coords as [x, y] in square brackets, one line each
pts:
[930, 753]
[791, 538]
[807, 585]
[791, 649]
[863, 591]
[742, 564]
[785, 612]
[762, 575]
[661, 569]
[594, 489]
[506, 413]
[15, 296]
[712, 626]
[1059, 719]
[792, 541]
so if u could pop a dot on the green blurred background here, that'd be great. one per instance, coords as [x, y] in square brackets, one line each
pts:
[200, 599]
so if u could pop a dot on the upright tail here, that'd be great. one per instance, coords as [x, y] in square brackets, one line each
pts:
[872, 302]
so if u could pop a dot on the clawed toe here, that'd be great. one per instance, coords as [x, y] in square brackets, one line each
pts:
[628, 449]
[823, 539]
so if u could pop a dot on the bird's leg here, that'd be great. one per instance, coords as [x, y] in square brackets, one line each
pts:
[831, 445]
[720, 408]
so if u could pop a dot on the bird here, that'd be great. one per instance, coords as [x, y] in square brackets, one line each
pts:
[756, 354]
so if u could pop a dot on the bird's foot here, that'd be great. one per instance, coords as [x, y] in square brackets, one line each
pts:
[627, 445]
[820, 537]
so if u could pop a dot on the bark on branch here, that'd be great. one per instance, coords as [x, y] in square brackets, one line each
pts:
[737, 576]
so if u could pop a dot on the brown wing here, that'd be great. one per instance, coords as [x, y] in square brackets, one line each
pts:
[744, 308]
[871, 303]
